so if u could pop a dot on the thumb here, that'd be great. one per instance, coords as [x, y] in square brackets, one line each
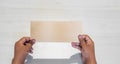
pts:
[30, 44]
[81, 40]
[76, 45]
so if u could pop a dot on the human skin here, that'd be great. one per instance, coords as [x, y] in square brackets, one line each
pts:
[86, 46]
[21, 49]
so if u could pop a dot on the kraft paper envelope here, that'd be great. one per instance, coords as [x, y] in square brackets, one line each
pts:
[55, 31]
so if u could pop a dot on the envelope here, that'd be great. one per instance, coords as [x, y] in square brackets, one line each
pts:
[55, 31]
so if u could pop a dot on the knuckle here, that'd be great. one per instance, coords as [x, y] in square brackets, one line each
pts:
[24, 37]
[85, 35]
[16, 43]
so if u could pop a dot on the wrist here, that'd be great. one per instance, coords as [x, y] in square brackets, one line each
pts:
[19, 57]
[17, 61]
[90, 61]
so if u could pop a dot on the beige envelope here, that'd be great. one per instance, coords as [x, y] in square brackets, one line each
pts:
[55, 31]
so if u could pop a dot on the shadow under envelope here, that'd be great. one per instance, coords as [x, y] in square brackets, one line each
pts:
[74, 59]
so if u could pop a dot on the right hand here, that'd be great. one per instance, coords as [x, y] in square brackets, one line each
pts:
[86, 46]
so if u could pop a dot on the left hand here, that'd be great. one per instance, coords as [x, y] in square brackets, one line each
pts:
[22, 48]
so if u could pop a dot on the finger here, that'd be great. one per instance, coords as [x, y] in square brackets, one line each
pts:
[30, 43]
[24, 39]
[88, 39]
[32, 48]
[28, 47]
[82, 40]
[76, 45]
[31, 51]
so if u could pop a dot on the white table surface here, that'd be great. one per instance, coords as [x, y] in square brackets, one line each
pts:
[100, 20]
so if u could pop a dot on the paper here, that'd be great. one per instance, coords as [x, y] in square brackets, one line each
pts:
[52, 50]
[54, 53]
[55, 31]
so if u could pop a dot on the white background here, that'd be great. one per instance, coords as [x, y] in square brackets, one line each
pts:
[100, 18]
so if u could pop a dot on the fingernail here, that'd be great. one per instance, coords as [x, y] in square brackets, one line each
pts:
[79, 36]
[77, 43]
[33, 40]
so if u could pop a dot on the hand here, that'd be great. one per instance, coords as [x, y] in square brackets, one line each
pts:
[22, 48]
[86, 46]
